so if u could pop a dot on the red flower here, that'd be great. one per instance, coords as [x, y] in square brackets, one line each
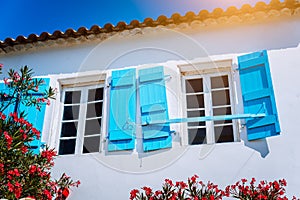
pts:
[8, 139]
[24, 149]
[158, 192]
[1, 65]
[47, 193]
[194, 178]
[48, 154]
[32, 169]
[24, 136]
[14, 172]
[133, 193]
[10, 187]
[43, 174]
[147, 190]
[261, 196]
[169, 182]
[2, 116]
[65, 192]
[18, 189]
[6, 81]
[276, 185]
[181, 184]
[36, 132]
[283, 182]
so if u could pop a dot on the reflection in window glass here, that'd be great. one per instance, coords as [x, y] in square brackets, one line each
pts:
[95, 94]
[220, 97]
[198, 113]
[195, 101]
[91, 144]
[92, 126]
[213, 101]
[194, 86]
[71, 112]
[224, 134]
[197, 136]
[69, 129]
[67, 147]
[81, 121]
[94, 110]
[219, 82]
[72, 97]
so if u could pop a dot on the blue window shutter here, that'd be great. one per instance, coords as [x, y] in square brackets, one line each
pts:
[36, 117]
[122, 110]
[257, 91]
[10, 108]
[154, 107]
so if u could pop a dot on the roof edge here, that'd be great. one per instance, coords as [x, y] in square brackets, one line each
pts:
[162, 20]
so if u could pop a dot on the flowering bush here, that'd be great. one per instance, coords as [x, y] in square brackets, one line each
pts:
[23, 173]
[197, 190]
[264, 190]
[179, 191]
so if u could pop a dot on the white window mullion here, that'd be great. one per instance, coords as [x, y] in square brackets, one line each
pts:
[208, 110]
[61, 108]
[184, 126]
[81, 124]
[232, 103]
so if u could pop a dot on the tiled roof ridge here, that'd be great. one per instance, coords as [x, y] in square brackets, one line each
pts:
[176, 19]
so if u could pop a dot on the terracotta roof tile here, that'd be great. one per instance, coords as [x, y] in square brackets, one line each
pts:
[217, 15]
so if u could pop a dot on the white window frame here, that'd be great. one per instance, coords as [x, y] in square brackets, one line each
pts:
[79, 139]
[210, 136]
[71, 82]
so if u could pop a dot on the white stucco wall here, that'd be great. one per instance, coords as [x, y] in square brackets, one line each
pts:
[112, 175]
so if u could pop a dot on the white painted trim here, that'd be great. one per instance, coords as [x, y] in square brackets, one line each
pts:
[210, 136]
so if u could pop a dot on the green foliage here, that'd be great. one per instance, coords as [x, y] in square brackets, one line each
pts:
[23, 173]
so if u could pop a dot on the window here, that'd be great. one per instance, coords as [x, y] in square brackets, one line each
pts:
[80, 127]
[209, 95]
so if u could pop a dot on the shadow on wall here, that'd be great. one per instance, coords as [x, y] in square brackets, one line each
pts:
[260, 145]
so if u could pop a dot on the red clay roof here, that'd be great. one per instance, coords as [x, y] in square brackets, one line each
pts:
[149, 22]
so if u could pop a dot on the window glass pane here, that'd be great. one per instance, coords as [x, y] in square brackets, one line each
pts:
[91, 144]
[94, 110]
[223, 122]
[72, 97]
[220, 97]
[197, 136]
[194, 85]
[67, 147]
[222, 111]
[200, 113]
[92, 126]
[71, 112]
[69, 129]
[219, 82]
[195, 101]
[224, 134]
[95, 94]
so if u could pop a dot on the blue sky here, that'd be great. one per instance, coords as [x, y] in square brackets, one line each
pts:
[23, 17]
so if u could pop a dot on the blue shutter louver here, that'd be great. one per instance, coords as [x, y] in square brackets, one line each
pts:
[154, 107]
[257, 92]
[36, 117]
[6, 90]
[122, 110]
[33, 115]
